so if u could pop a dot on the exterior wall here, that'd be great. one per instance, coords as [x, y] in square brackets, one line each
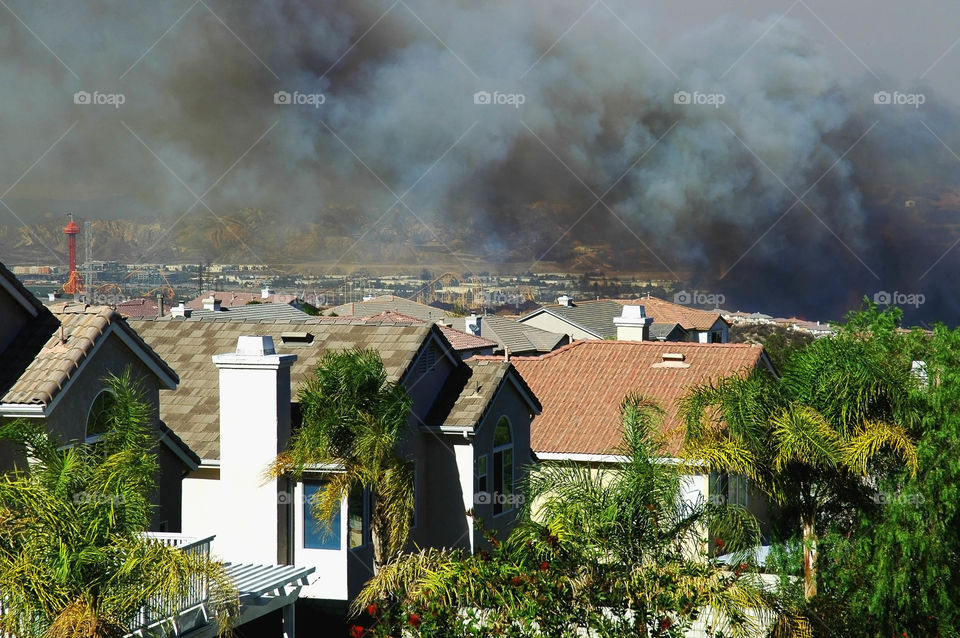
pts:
[15, 317]
[202, 503]
[441, 501]
[511, 404]
[68, 420]
[703, 336]
[425, 380]
[551, 323]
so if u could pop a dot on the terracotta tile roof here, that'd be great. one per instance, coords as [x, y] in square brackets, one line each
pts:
[581, 386]
[391, 303]
[189, 345]
[664, 311]
[460, 340]
[49, 350]
[229, 299]
[520, 338]
[139, 307]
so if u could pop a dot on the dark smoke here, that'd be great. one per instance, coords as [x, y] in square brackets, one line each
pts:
[511, 188]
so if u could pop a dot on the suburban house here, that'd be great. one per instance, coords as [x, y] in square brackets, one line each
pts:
[597, 320]
[513, 337]
[392, 303]
[53, 361]
[53, 364]
[581, 386]
[236, 299]
[236, 405]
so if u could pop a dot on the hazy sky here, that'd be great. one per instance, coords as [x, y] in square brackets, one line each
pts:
[915, 41]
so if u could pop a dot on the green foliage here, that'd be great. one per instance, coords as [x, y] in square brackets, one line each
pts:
[73, 558]
[613, 550]
[896, 569]
[779, 342]
[355, 419]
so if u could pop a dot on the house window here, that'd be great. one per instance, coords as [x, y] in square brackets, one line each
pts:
[318, 534]
[358, 507]
[502, 467]
[716, 336]
[98, 420]
[482, 485]
[728, 489]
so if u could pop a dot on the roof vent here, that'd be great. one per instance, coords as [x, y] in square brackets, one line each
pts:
[181, 311]
[211, 303]
[673, 356]
[266, 293]
[296, 338]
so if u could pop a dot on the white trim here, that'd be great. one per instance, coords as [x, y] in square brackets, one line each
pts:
[16, 294]
[602, 458]
[24, 410]
[210, 464]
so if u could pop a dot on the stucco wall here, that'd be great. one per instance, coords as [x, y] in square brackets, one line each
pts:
[546, 321]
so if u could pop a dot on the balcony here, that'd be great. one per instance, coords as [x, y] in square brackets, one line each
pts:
[262, 589]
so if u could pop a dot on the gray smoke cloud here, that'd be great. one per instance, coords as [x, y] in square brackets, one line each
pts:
[609, 103]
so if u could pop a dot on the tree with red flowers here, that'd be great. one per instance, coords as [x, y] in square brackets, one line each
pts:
[609, 551]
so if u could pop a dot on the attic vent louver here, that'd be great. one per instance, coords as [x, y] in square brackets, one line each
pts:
[296, 338]
[674, 356]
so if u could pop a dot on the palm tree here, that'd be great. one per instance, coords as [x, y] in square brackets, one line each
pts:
[810, 439]
[354, 420]
[610, 550]
[74, 559]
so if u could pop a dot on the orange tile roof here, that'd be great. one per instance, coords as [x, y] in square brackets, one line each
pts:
[664, 311]
[581, 386]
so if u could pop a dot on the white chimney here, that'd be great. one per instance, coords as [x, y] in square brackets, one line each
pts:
[53, 296]
[254, 428]
[211, 303]
[181, 311]
[564, 300]
[472, 324]
[266, 293]
[633, 324]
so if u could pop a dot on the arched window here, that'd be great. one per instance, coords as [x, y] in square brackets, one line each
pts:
[503, 498]
[98, 420]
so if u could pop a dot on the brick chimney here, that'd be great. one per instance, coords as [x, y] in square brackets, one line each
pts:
[257, 513]
[633, 324]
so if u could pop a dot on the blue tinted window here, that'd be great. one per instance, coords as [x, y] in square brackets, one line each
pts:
[317, 534]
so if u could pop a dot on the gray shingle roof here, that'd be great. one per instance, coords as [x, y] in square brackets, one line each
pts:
[519, 338]
[189, 345]
[667, 332]
[596, 317]
[470, 390]
[253, 312]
